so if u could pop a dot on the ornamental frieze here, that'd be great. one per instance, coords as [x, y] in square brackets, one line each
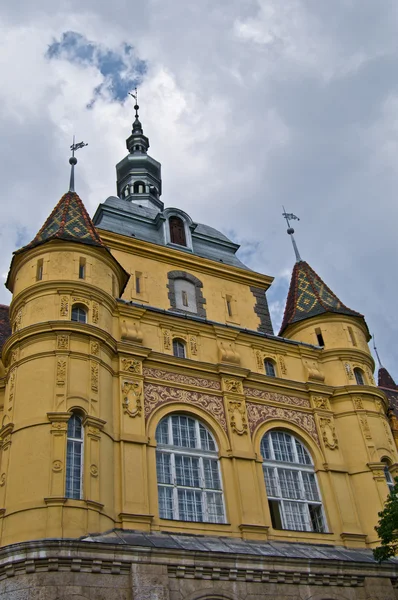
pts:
[258, 414]
[156, 395]
[179, 378]
[274, 397]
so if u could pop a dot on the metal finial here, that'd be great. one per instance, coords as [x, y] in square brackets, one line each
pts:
[290, 217]
[377, 354]
[135, 96]
[73, 162]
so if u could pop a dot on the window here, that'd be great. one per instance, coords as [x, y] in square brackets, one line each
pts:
[185, 295]
[139, 187]
[82, 268]
[228, 301]
[184, 298]
[359, 376]
[319, 337]
[352, 336]
[177, 231]
[79, 313]
[269, 368]
[292, 489]
[179, 348]
[188, 472]
[389, 480]
[138, 282]
[74, 458]
[39, 270]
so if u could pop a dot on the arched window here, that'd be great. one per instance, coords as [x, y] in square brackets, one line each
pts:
[74, 458]
[188, 473]
[292, 489]
[79, 313]
[139, 187]
[185, 295]
[177, 231]
[269, 368]
[359, 378]
[389, 479]
[179, 348]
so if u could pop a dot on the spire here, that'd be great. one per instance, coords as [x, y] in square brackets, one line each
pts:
[73, 162]
[289, 217]
[377, 354]
[309, 296]
[137, 142]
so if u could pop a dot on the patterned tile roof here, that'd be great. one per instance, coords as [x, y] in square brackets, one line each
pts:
[389, 387]
[309, 296]
[68, 221]
[5, 327]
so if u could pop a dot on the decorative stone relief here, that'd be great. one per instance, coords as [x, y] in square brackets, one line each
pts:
[179, 378]
[131, 331]
[370, 376]
[259, 360]
[132, 398]
[365, 427]
[131, 365]
[18, 320]
[57, 466]
[156, 395]
[193, 344]
[348, 370]
[61, 371]
[80, 300]
[228, 353]
[274, 397]
[379, 406]
[166, 339]
[328, 431]
[282, 365]
[233, 385]
[2, 479]
[94, 431]
[314, 372]
[95, 312]
[59, 426]
[95, 348]
[14, 356]
[237, 416]
[62, 342]
[357, 401]
[94, 470]
[388, 434]
[94, 376]
[320, 402]
[258, 413]
[64, 306]
[11, 384]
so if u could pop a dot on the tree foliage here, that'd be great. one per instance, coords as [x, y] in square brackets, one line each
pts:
[387, 529]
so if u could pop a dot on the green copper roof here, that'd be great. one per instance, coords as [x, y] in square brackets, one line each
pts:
[309, 296]
[68, 221]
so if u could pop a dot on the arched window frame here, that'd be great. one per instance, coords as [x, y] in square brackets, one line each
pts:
[292, 488]
[187, 221]
[188, 471]
[74, 457]
[270, 367]
[359, 376]
[179, 348]
[78, 310]
[389, 478]
[200, 300]
[139, 187]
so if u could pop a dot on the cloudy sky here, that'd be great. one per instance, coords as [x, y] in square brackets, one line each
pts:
[249, 105]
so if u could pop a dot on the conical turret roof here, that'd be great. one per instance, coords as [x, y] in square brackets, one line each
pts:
[309, 296]
[68, 221]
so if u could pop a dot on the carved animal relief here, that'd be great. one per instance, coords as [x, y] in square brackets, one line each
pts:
[320, 402]
[131, 365]
[233, 385]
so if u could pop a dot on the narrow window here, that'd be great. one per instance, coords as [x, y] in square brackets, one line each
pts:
[292, 489]
[82, 268]
[179, 348]
[39, 270]
[352, 336]
[184, 296]
[139, 187]
[319, 337]
[126, 191]
[138, 282]
[389, 480]
[269, 368]
[188, 471]
[177, 231]
[79, 313]
[229, 305]
[74, 458]
[359, 376]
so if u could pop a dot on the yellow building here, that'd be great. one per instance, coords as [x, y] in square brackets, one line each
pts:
[144, 396]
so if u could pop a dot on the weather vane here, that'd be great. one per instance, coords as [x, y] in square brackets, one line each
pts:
[135, 96]
[73, 162]
[291, 217]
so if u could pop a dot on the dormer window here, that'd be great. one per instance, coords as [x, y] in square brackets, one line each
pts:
[139, 187]
[177, 231]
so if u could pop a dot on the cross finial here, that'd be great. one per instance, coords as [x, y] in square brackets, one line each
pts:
[290, 217]
[135, 96]
[73, 162]
[377, 354]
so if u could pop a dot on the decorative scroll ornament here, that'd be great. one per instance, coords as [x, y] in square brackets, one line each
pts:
[320, 402]
[14, 356]
[94, 470]
[388, 434]
[18, 320]
[95, 348]
[237, 417]
[348, 370]
[233, 385]
[131, 365]
[193, 344]
[166, 339]
[259, 360]
[370, 376]
[132, 398]
[95, 312]
[81, 300]
[64, 307]
[11, 383]
[62, 342]
[57, 466]
[274, 397]
[365, 427]
[328, 431]
[2, 479]
[179, 378]
[357, 401]
[282, 365]
[61, 371]
[258, 414]
[94, 376]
